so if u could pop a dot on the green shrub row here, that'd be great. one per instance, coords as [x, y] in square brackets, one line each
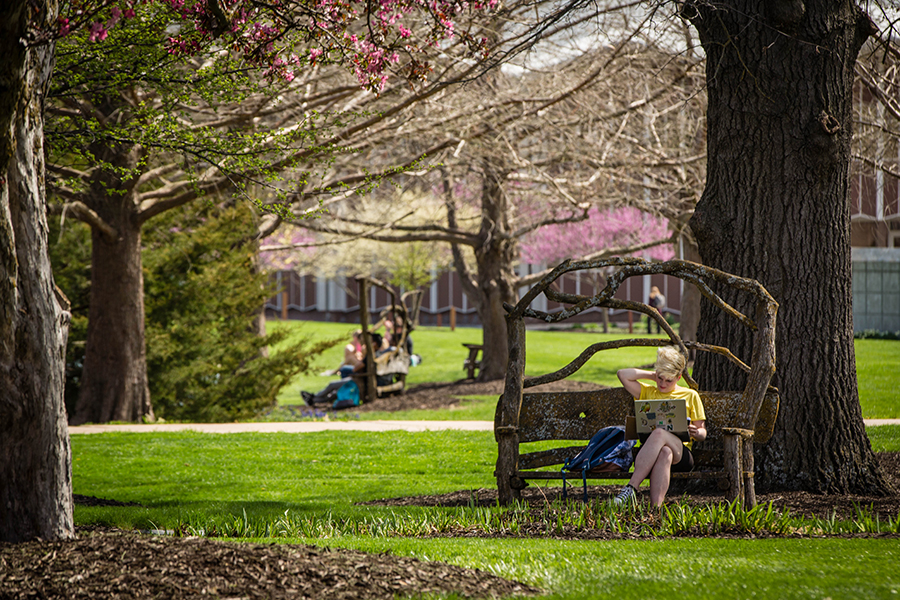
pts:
[874, 334]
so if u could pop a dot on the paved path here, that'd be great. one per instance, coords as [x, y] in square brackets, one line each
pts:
[313, 426]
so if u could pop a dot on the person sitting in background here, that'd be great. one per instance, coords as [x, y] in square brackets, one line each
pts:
[353, 353]
[328, 394]
[393, 331]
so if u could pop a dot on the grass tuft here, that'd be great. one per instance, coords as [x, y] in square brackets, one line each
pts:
[572, 518]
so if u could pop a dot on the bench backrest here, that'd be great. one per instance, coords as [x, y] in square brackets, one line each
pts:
[579, 415]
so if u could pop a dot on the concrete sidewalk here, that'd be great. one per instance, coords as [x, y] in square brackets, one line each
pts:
[314, 426]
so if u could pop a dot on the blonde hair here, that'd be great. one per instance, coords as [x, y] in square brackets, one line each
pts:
[670, 362]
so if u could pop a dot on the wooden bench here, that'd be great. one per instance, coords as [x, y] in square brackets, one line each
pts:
[726, 454]
[386, 373]
[472, 363]
[391, 369]
[735, 419]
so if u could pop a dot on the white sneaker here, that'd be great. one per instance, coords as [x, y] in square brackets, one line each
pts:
[626, 496]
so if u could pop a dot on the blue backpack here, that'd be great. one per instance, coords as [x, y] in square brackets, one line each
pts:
[347, 396]
[608, 450]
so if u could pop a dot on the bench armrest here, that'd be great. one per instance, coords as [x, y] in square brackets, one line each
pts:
[744, 433]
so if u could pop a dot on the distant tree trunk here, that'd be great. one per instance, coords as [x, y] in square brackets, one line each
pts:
[495, 255]
[114, 386]
[35, 457]
[494, 282]
[776, 208]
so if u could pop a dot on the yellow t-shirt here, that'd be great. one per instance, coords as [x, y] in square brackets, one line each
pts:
[693, 404]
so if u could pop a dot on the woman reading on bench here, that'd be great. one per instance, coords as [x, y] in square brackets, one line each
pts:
[663, 452]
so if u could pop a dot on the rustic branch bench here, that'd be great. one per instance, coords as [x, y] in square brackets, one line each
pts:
[727, 454]
[472, 364]
[385, 374]
[735, 420]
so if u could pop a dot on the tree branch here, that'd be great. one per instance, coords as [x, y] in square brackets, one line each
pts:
[529, 280]
[81, 212]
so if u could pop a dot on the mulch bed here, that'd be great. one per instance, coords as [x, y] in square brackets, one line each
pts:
[117, 564]
[798, 503]
[128, 565]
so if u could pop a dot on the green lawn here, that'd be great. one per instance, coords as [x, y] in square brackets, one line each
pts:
[878, 374]
[443, 355]
[308, 488]
[315, 482]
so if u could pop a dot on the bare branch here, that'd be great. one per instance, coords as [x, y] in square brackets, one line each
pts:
[81, 212]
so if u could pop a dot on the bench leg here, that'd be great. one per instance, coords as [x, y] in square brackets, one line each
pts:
[734, 463]
[472, 364]
[507, 459]
[749, 470]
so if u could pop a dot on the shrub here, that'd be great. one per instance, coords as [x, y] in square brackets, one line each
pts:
[203, 295]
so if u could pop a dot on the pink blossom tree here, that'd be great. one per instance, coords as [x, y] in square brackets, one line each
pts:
[158, 104]
[602, 230]
[279, 38]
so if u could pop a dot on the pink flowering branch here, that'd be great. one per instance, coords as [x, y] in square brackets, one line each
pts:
[620, 227]
[368, 37]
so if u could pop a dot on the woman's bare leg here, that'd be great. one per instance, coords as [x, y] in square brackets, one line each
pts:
[650, 451]
[661, 476]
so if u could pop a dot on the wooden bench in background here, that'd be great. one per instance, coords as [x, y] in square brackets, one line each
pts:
[735, 420]
[386, 373]
[472, 364]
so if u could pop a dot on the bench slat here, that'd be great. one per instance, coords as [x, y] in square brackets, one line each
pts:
[558, 456]
[572, 415]
[545, 458]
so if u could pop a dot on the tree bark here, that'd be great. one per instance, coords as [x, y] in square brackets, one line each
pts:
[495, 254]
[776, 208]
[35, 461]
[690, 300]
[114, 386]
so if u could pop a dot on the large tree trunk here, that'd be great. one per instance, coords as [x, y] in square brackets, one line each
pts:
[114, 386]
[776, 208]
[35, 458]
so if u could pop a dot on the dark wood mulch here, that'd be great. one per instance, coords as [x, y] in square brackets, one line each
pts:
[128, 565]
[798, 503]
[435, 396]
